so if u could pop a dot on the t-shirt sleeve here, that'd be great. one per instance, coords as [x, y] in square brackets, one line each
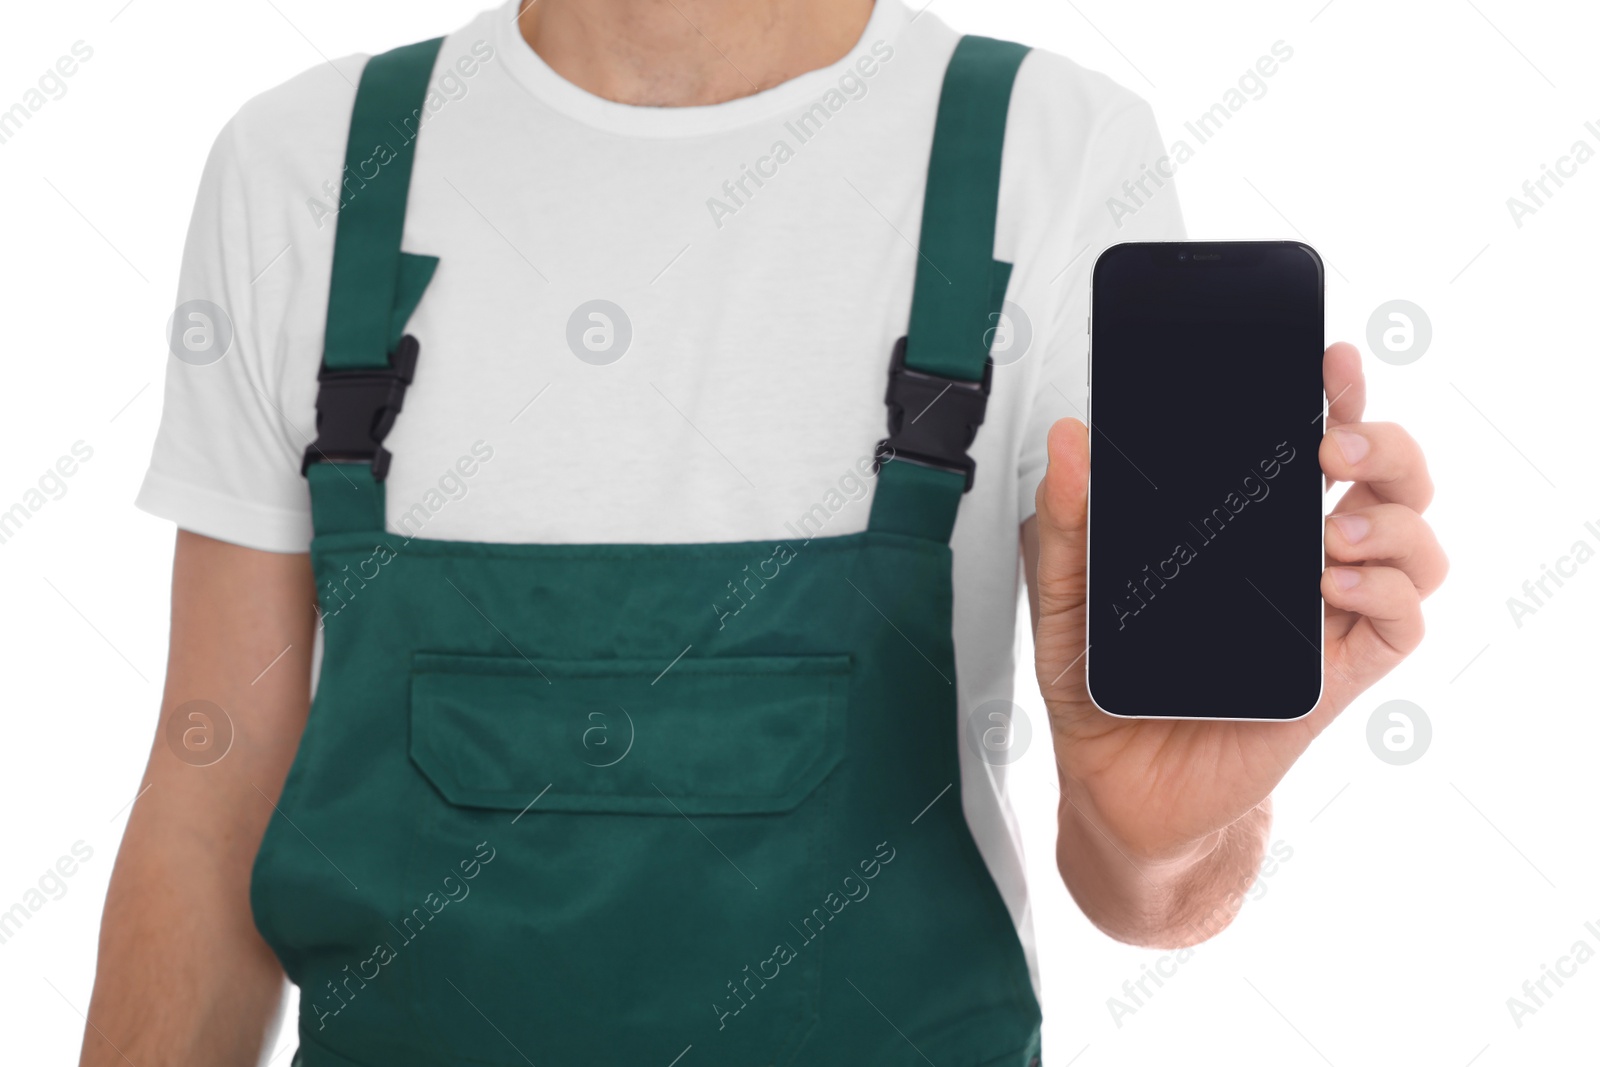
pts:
[226, 461]
[1117, 201]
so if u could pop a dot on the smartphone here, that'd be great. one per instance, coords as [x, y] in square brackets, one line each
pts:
[1205, 494]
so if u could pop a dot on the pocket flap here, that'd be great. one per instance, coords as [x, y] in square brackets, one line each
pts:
[732, 735]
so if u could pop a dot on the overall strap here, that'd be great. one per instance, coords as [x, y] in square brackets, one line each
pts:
[367, 358]
[939, 373]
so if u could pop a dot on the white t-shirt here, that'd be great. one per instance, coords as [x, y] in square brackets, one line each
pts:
[756, 258]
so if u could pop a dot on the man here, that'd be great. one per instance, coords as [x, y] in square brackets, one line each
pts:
[637, 663]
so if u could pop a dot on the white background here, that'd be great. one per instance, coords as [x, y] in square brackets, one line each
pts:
[1418, 898]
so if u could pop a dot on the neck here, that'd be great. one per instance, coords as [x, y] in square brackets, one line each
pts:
[685, 53]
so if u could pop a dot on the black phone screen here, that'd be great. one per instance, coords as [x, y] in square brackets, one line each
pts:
[1205, 493]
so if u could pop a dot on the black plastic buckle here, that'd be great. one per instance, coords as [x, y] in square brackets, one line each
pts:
[933, 420]
[356, 410]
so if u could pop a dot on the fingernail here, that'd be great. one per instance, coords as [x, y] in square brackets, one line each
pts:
[1351, 445]
[1346, 577]
[1353, 527]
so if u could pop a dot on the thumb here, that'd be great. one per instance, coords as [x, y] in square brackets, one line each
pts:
[1062, 504]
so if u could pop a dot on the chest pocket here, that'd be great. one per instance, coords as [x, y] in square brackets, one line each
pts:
[655, 835]
[745, 735]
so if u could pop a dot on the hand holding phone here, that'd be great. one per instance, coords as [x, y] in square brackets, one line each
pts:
[1179, 800]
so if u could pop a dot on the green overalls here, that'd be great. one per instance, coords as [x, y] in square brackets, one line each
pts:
[547, 810]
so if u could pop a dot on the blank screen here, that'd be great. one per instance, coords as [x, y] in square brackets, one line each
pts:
[1205, 494]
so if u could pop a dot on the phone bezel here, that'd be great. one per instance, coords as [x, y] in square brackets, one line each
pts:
[1196, 255]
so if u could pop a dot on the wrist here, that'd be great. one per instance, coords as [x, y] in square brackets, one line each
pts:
[1181, 894]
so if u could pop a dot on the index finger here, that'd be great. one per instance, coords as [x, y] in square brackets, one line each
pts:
[1344, 383]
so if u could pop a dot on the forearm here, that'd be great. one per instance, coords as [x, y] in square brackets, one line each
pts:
[183, 978]
[1170, 901]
